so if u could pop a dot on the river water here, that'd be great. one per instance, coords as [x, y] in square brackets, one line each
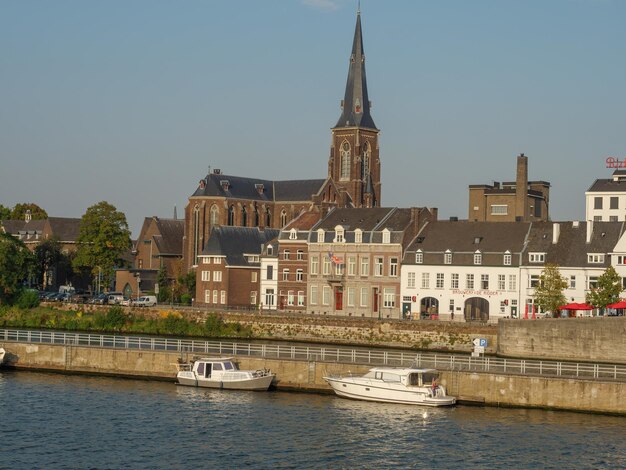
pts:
[61, 421]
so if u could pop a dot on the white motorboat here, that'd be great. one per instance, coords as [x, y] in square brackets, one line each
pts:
[2, 354]
[222, 373]
[406, 385]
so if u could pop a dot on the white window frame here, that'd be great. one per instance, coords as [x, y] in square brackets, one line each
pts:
[410, 280]
[419, 257]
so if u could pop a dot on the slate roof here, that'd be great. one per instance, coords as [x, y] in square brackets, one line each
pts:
[14, 227]
[572, 247]
[356, 87]
[607, 185]
[65, 228]
[240, 187]
[352, 218]
[170, 240]
[466, 236]
[234, 242]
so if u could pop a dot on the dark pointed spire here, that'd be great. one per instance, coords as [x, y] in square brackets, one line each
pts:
[356, 105]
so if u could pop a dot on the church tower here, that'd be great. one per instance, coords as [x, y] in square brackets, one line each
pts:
[354, 163]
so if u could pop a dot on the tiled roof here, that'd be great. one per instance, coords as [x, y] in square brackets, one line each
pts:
[572, 247]
[466, 236]
[366, 219]
[607, 185]
[234, 242]
[171, 240]
[65, 228]
[239, 187]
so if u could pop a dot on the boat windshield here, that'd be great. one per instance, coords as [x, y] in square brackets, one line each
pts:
[228, 366]
[428, 377]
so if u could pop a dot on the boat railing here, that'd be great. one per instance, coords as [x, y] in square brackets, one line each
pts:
[357, 356]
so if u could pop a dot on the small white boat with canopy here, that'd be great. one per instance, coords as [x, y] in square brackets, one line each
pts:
[222, 373]
[405, 385]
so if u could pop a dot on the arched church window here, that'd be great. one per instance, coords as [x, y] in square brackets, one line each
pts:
[256, 216]
[231, 215]
[196, 233]
[345, 161]
[367, 152]
[215, 215]
[283, 218]
[244, 217]
[268, 218]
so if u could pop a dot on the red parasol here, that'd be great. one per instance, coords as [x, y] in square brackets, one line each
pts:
[576, 306]
[620, 304]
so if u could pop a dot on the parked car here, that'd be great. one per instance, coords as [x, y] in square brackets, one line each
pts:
[145, 301]
[115, 298]
[126, 302]
[100, 299]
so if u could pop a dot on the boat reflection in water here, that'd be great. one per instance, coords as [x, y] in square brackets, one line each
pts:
[406, 385]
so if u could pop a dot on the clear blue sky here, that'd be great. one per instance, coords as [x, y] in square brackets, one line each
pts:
[132, 101]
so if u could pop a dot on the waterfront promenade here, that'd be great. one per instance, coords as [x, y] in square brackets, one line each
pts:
[492, 381]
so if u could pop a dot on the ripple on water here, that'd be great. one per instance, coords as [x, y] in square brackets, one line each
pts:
[57, 421]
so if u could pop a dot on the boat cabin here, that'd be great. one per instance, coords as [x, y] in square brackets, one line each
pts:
[408, 376]
[207, 367]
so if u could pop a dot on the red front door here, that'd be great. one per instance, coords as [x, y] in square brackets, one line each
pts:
[338, 299]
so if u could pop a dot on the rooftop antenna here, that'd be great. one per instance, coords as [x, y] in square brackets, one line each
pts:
[358, 7]
[209, 170]
[175, 217]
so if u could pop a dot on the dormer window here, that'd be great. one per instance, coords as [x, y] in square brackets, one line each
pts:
[270, 250]
[339, 234]
[358, 236]
[536, 257]
[595, 258]
[477, 240]
[419, 257]
[478, 257]
[507, 258]
[225, 184]
[320, 236]
[259, 188]
[293, 234]
[447, 257]
[386, 236]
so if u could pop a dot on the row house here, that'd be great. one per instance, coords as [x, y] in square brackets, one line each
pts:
[228, 268]
[269, 275]
[582, 250]
[293, 262]
[605, 200]
[461, 270]
[481, 271]
[354, 260]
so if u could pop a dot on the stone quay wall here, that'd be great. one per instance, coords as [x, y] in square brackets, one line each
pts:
[597, 339]
[485, 388]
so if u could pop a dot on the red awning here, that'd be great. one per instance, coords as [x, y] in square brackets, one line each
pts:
[620, 304]
[576, 306]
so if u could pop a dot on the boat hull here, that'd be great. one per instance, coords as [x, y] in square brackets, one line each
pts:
[256, 383]
[386, 393]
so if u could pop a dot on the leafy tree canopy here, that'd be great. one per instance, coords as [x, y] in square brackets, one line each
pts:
[48, 254]
[549, 291]
[608, 290]
[15, 265]
[5, 213]
[103, 238]
[36, 212]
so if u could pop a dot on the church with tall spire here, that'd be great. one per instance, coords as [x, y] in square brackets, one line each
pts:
[354, 162]
[353, 178]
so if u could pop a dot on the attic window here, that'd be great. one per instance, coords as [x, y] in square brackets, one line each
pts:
[320, 236]
[386, 236]
[358, 236]
[478, 258]
[339, 234]
[419, 257]
[477, 240]
[420, 239]
[595, 258]
[270, 250]
[225, 184]
[259, 188]
[536, 257]
[293, 234]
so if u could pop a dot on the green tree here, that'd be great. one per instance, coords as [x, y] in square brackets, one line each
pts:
[16, 263]
[103, 238]
[607, 291]
[36, 212]
[47, 257]
[549, 291]
[5, 213]
[164, 289]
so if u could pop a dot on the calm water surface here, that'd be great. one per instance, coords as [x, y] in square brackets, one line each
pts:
[58, 421]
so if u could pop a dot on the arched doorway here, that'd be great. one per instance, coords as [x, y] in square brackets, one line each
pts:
[429, 308]
[476, 309]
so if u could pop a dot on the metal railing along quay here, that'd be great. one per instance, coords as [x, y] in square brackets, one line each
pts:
[374, 357]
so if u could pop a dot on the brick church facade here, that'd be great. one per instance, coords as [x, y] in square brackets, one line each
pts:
[353, 178]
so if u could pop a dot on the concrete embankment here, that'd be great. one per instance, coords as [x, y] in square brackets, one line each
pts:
[488, 388]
